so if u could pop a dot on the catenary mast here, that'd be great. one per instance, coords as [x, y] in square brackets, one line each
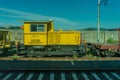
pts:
[98, 23]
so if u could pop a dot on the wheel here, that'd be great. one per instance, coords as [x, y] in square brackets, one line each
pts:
[30, 51]
[4, 52]
[110, 54]
[98, 53]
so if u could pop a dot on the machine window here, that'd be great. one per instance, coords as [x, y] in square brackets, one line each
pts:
[33, 27]
[40, 28]
[37, 27]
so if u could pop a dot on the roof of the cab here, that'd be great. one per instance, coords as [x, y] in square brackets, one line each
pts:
[40, 21]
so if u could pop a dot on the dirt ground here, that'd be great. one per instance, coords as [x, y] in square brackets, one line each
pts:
[59, 58]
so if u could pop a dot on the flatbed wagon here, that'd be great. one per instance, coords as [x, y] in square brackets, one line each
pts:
[104, 49]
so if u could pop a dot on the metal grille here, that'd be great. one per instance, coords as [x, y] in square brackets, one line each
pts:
[59, 75]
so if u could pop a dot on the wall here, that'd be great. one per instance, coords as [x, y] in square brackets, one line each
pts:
[88, 36]
[92, 36]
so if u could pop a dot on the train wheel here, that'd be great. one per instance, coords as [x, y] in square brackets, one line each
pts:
[103, 53]
[30, 52]
[111, 54]
[98, 53]
[4, 52]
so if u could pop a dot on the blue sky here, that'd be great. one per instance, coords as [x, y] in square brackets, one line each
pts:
[66, 14]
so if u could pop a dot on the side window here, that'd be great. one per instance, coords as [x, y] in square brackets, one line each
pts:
[33, 27]
[41, 27]
[37, 27]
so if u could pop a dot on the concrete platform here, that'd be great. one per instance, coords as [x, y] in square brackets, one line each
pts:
[59, 65]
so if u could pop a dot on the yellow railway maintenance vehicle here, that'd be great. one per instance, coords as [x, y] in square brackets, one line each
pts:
[4, 41]
[40, 39]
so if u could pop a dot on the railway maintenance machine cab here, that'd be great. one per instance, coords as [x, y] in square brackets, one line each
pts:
[40, 39]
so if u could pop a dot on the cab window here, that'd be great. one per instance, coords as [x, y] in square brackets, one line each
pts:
[37, 27]
[33, 28]
[40, 28]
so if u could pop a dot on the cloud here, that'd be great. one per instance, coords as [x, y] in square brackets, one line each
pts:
[59, 21]
[12, 16]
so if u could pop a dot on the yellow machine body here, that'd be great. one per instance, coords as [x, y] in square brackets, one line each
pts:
[42, 33]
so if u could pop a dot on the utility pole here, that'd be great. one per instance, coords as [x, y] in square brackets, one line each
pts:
[98, 24]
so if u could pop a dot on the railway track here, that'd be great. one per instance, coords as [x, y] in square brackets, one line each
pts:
[59, 75]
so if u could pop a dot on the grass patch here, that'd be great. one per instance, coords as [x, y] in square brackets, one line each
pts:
[91, 57]
[74, 56]
[111, 41]
[15, 57]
